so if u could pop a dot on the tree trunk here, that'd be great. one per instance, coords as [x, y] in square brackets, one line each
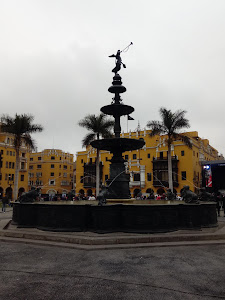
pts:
[97, 173]
[16, 179]
[170, 169]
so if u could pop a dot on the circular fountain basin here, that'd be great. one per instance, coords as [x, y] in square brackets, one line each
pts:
[115, 144]
[141, 216]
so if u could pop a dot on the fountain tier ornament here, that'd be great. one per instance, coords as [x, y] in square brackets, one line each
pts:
[118, 183]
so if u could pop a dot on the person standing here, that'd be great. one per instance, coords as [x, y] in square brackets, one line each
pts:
[223, 205]
[5, 201]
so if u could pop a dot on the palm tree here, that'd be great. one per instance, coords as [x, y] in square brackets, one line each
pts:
[20, 127]
[170, 125]
[99, 126]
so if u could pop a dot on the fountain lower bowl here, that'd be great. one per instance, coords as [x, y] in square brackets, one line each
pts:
[146, 216]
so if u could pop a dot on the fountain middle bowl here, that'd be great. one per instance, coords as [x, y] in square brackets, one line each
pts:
[123, 144]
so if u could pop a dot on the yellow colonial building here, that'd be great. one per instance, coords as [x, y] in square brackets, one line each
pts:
[7, 166]
[52, 171]
[148, 167]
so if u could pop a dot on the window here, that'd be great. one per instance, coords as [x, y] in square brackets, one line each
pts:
[182, 153]
[2, 152]
[7, 152]
[51, 182]
[13, 165]
[0, 176]
[31, 167]
[10, 165]
[38, 174]
[60, 158]
[149, 155]
[23, 154]
[31, 175]
[59, 174]
[149, 176]
[52, 157]
[39, 157]
[161, 155]
[22, 165]
[52, 166]
[11, 177]
[183, 175]
[197, 154]
[52, 174]
[64, 167]
[136, 176]
[31, 159]
[38, 166]
[82, 160]
[22, 177]
[10, 153]
[13, 153]
[64, 174]
[126, 157]
[134, 156]
[6, 164]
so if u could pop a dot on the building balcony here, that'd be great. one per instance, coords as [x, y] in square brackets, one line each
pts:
[23, 170]
[175, 157]
[89, 184]
[136, 183]
[65, 183]
[162, 183]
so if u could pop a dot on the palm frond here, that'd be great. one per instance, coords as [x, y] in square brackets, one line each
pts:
[180, 121]
[29, 141]
[183, 138]
[88, 139]
[98, 126]
[156, 128]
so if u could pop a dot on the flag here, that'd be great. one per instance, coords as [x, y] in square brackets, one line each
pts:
[129, 118]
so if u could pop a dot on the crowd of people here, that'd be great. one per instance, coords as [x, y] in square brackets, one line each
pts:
[218, 197]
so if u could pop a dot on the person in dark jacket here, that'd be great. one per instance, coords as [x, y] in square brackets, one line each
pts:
[218, 199]
[5, 201]
[224, 205]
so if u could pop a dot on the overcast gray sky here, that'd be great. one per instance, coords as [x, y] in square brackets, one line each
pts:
[54, 63]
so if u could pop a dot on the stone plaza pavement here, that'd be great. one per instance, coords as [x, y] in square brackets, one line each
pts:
[119, 240]
[57, 266]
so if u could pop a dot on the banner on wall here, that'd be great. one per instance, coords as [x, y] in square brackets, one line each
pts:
[208, 175]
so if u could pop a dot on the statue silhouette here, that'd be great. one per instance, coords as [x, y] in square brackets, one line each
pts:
[118, 62]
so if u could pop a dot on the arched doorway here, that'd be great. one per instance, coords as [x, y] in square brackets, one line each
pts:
[1, 192]
[89, 192]
[81, 192]
[8, 193]
[136, 191]
[160, 191]
[151, 193]
[51, 194]
[21, 191]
